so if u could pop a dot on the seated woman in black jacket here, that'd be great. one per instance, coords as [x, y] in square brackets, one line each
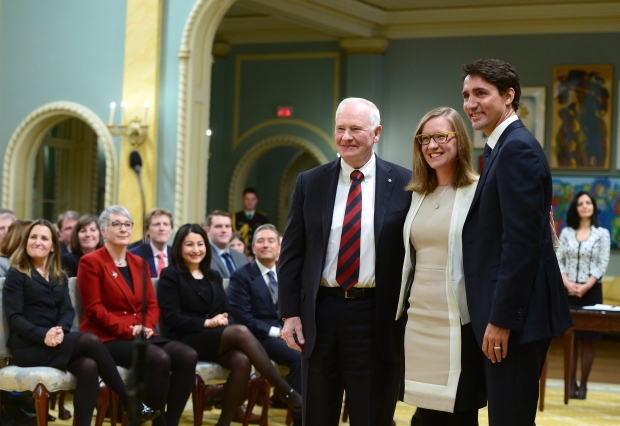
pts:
[39, 313]
[194, 310]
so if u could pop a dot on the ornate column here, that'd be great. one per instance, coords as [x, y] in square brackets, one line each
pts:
[140, 85]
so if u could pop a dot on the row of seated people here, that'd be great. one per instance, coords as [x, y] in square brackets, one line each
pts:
[194, 313]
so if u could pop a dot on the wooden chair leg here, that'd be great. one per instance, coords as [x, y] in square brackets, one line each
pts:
[103, 402]
[41, 395]
[198, 399]
[113, 408]
[289, 417]
[543, 385]
[255, 386]
[266, 390]
[52, 401]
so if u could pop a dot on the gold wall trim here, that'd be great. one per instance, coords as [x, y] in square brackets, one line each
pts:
[19, 158]
[141, 84]
[278, 56]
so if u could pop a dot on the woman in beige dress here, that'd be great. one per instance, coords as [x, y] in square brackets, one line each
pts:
[443, 372]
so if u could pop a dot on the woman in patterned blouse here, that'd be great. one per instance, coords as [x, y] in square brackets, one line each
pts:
[583, 256]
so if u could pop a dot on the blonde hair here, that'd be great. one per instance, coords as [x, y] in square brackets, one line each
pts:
[424, 177]
[21, 260]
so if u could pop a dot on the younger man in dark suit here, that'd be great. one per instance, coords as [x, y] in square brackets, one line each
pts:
[219, 230]
[158, 228]
[515, 293]
[253, 299]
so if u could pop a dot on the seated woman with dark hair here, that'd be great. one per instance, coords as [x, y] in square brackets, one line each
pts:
[111, 286]
[39, 313]
[85, 238]
[195, 311]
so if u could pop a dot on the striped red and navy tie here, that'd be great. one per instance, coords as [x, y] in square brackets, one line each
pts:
[348, 268]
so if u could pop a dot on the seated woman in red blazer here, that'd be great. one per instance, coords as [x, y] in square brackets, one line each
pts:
[110, 282]
[195, 311]
[39, 313]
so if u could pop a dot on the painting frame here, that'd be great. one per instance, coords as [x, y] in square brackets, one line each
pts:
[532, 112]
[581, 118]
[618, 132]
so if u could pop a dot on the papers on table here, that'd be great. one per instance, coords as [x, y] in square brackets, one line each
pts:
[601, 307]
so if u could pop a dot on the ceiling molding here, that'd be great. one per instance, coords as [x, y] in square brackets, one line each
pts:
[355, 8]
[315, 16]
[320, 20]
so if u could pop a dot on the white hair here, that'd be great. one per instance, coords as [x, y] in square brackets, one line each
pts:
[104, 218]
[373, 116]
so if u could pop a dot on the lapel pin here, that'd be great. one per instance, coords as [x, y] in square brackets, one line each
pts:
[114, 274]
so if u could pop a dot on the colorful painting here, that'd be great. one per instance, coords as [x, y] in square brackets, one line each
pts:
[581, 117]
[606, 193]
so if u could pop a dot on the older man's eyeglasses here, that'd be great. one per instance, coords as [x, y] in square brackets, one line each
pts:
[439, 137]
[120, 225]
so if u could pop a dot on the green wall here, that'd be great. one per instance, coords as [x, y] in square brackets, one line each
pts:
[412, 77]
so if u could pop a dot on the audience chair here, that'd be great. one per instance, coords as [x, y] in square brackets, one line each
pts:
[41, 381]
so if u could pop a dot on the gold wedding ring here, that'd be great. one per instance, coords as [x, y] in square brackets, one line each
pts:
[497, 348]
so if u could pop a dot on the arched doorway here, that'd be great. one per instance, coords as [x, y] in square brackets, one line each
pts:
[24, 161]
[247, 161]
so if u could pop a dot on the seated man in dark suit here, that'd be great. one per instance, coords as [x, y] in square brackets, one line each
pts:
[252, 295]
[219, 230]
[158, 229]
[65, 224]
[246, 221]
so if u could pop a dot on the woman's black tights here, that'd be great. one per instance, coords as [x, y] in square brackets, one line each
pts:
[172, 371]
[238, 351]
[89, 360]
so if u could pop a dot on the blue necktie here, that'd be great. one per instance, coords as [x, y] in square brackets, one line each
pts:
[487, 152]
[229, 263]
[273, 284]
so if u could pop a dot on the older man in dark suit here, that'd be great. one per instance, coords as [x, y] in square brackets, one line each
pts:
[253, 299]
[339, 275]
[515, 294]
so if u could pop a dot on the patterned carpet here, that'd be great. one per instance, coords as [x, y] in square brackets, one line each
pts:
[602, 408]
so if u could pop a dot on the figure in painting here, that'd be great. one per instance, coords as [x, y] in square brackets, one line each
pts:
[581, 141]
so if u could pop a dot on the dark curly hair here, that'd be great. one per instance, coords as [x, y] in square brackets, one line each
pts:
[497, 72]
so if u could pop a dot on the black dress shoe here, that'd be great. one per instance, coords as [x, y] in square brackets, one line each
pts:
[148, 414]
[292, 398]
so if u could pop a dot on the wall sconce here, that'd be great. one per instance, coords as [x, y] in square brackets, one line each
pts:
[135, 131]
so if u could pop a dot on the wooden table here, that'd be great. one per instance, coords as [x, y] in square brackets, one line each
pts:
[587, 320]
